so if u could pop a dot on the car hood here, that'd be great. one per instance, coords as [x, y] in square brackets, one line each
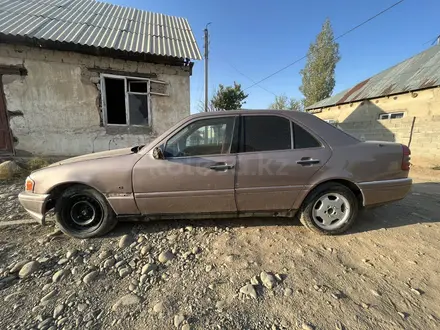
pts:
[96, 155]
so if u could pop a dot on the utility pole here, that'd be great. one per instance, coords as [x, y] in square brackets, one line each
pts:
[206, 34]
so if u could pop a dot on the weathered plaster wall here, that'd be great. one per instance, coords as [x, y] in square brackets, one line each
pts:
[55, 109]
[419, 128]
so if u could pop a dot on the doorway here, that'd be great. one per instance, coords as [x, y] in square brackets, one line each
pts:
[5, 133]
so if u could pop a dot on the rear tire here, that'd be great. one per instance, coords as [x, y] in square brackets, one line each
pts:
[329, 209]
[82, 212]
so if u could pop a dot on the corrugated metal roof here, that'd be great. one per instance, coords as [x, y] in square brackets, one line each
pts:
[418, 72]
[99, 24]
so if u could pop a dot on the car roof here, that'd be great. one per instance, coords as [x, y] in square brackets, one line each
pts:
[289, 113]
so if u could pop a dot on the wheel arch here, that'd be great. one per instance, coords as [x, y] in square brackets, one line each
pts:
[344, 182]
[56, 191]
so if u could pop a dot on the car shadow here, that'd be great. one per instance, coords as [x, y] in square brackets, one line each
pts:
[420, 206]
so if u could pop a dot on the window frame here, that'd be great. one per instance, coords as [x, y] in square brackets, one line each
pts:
[387, 116]
[235, 128]
[127, 93]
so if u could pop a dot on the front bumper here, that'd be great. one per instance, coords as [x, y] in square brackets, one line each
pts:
[35, 204]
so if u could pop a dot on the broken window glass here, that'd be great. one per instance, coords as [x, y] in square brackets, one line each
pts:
[138, 107]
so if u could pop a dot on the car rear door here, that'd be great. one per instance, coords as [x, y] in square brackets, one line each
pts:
[197, 174]
[275, 162]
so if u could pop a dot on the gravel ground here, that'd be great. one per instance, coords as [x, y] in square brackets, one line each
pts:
[241, 274]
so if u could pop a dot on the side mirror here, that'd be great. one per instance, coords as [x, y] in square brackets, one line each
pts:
[158, 153]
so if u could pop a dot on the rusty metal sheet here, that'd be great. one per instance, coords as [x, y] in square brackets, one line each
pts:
[418, 72]
[99, 24]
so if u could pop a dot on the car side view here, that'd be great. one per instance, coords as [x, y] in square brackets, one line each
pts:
[244, 163]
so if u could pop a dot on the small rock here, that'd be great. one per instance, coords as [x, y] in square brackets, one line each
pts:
[208, 268]
[268, 280]
[196, 250]
[90, 277]
[148, 268]
[81, 307]
[109, 263]
[28, 269]
[132, 287]
[49, 296]
[254, 280]
[142, 279]
[186, 327]
[63, 261]
[124, 272]
[56, 232]
[178, 319]
[417, 291]
[44, 323]
[18, 266]
[104, 254]
[58, 310]
[119, 263]
[306, 326]
[127, 300]
[288, 292]
[59, 275]
[172, 237]
[220, 304]
[376, 293]
[365, 305]
[71, 253]
[125, 241]
[278, 277]
[145, 249]
[189, 228]
[158, 308]
[402, 315]
[249, 290]
[166, 256]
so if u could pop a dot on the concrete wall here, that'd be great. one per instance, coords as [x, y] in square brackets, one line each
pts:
[421, 108]
[55, 109]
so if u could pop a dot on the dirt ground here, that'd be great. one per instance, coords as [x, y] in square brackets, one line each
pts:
[383, 274]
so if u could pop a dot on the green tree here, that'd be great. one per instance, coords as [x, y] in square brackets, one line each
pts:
[318, 75]
[228, 98]
[282, 102]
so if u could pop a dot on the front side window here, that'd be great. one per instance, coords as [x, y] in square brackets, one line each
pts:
[265, 133]
[211, 136]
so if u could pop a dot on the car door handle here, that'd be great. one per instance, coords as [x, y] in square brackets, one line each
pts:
[307, 161]
[221, 167]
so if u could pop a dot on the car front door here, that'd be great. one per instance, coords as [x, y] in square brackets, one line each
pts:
[197, 173]
[276, 159]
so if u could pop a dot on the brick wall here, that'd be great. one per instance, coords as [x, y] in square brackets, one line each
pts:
[424, 140]
[361, 119]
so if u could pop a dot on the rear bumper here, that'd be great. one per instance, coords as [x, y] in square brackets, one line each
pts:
[35, 204]
[385, 191]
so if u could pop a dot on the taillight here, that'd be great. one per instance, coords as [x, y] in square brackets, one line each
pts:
[406, 164]
[29, 185]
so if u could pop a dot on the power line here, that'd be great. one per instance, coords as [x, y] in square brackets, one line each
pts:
[244, 75]
[338, 37]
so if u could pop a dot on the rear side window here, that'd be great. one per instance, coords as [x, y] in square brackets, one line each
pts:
[265, 133]
[304, 139]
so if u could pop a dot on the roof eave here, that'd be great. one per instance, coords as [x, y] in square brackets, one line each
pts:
[97, 51]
